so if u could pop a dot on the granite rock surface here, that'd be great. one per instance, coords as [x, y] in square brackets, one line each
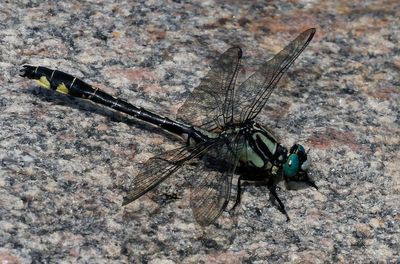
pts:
[66, 164]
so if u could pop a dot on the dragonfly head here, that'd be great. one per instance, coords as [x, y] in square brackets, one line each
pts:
[296, 166]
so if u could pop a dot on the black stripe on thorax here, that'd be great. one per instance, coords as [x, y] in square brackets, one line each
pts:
[258, 145]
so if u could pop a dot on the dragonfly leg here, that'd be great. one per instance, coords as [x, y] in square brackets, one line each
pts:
[272, 190]
[238, 194]
[312, 184]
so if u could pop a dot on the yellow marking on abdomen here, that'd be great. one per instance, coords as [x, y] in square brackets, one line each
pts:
[62, 89]
[43, 82]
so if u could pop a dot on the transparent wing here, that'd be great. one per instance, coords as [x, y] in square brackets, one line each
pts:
[253, 93]
[210, 104]
[211, 190]
[159, 168]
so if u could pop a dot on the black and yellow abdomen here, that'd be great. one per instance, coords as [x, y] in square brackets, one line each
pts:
[58, 81]
[67, 84]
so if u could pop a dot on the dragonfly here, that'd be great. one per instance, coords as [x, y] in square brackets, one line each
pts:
[218, 124]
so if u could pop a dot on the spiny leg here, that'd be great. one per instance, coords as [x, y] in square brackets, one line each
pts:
[312, 184]
[238, 194]
[309, 182]
[272, 190]
[304, 179]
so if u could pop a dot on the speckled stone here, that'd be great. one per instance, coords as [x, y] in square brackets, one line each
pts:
[66, 164]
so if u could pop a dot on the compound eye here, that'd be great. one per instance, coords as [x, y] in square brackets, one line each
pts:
[297, 148]
[291, 166]
[300, 148]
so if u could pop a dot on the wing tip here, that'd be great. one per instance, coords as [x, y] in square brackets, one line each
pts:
[239, 51]
[311, 32]
[130, 198]
[126, 201]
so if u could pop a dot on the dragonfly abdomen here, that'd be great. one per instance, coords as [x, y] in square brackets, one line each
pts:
[67, 84]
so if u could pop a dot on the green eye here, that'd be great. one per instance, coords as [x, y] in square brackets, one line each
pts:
[292, 165]
[300, 148]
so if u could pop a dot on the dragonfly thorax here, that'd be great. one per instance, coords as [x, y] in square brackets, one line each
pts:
[262, 149]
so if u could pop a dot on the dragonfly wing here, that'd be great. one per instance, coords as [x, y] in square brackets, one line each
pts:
[159, 168]
[253, 93]
[211, 190]
[210, 104]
